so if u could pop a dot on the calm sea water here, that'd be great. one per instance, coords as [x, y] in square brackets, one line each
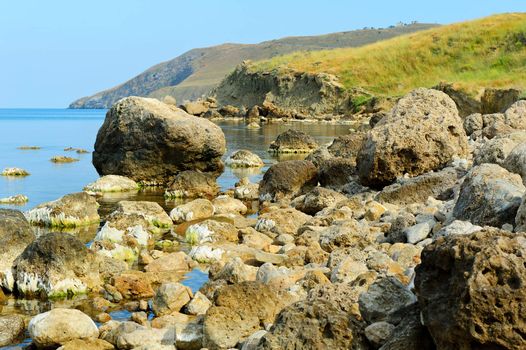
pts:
[55, 129]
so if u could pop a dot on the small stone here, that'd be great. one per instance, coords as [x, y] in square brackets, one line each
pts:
[378, 332]
[198, 305]
[418, 232]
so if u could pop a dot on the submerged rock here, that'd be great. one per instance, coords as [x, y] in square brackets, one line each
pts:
[12, 329]
[112, 183]
[59, 326]
[18, 199]
[288, 179]
[63, 159]
[192, 184]
[244, 159]
[15, 235]
[56, 265]
[293, 141]
[471, 290]
[423, 132]
[14, 172]
[151, 142]
[72, 210]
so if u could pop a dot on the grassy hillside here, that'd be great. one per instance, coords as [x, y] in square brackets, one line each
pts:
[489, 52]
[197, 71]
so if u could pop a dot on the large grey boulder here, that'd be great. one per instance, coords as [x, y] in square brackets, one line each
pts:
[15, 235]
[423, 132]
[149, 141]
[490, 195]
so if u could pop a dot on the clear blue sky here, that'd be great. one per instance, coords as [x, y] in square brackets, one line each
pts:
[54, 51]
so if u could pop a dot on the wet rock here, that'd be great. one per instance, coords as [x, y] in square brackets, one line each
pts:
[12, 329]
[15, 235]
[227, 204]
[133, 286]
[293, 141]
[211, 231]
[244, 159]
[63, 159]
[317, 199]
[385, 296]
[498, 148]
[170, 298]
[14, 172]
[72, 210]
[125, 146]
[423, 132]
[314, 325]
[59, 326]
[192, 184]
[470, 290]
[287, 179]
[281, 221]
[112, 183]
[56, 265]
[419, 188]
[195, 210]
[489, 195]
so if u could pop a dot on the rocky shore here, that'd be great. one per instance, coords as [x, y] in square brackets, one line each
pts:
[408, 233]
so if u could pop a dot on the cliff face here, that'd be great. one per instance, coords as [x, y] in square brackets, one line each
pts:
[306, 94]
[198, 71]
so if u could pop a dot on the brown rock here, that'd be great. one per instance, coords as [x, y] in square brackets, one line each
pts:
[288, 179]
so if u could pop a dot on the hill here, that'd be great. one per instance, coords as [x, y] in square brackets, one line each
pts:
[199, 70]
[489, 52]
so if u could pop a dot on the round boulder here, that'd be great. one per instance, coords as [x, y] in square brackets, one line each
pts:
[150, 142]
[288, 179]
[293, 141]
[244, 159]
[422, 133]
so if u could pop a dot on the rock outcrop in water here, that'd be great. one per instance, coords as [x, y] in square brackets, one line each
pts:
[151, 142]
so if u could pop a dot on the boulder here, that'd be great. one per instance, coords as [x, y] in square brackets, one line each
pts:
[170, 298]
[347, 146]
[489, 195]
[293, 141]
[514, 116]
[470, 290]
[418, 189]
[87, 344]
[498, 148]
[133, 285]
[240, 310]
[336, 172]
[112, 183]
[211, 231]
[72, 210]
[377, 333]
[17, 199]
[457, 227]
[314, 325]
[171, 262]
[472, 123]
[281, 221]
[195, 210]
[317, 199]
[198, 305]
[12, 329]
[59, 326]
[192, 184]
[244, 159]
[150, 142]
[56, 265]
[466, 104]
[15, 235]
[152, 212]
[515, 161]
[14, 172]
[287, 179]
[226, 204]
[422, 133]
[384, 297]
[196, 107]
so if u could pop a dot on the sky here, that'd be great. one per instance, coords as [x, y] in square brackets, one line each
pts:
[55, 51]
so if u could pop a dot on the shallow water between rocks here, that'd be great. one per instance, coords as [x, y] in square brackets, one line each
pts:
[53, 130]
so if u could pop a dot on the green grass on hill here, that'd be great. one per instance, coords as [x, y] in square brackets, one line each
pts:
[490, 52]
